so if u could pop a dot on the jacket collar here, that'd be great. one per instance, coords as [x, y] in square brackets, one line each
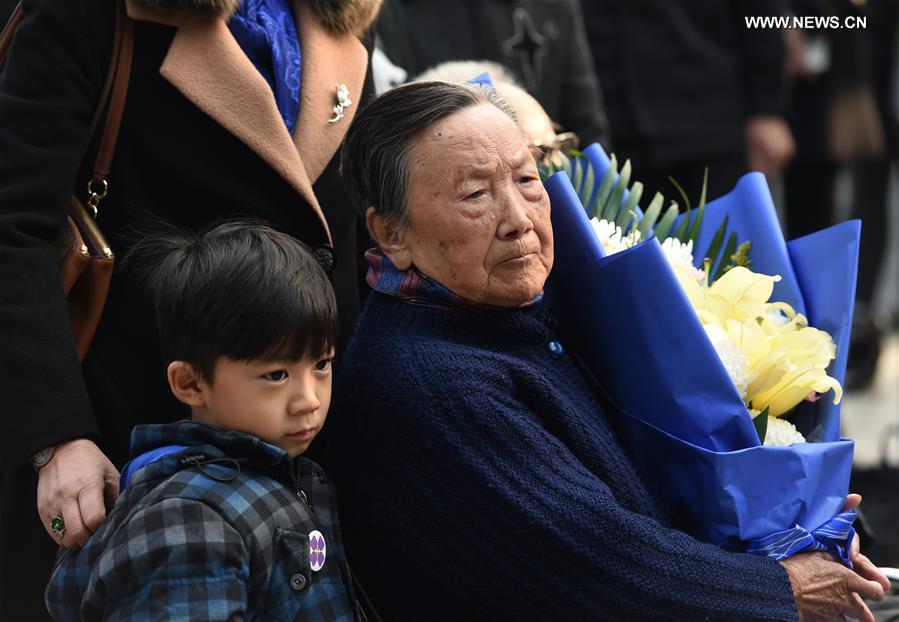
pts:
[218, 453]
[207, 65]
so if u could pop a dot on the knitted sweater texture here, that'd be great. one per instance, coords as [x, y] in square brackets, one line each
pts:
[481, 479]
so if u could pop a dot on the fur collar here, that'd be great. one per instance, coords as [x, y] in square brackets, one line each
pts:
[339, 17]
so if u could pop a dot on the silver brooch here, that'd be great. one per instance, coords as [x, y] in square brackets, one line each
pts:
[343, 102]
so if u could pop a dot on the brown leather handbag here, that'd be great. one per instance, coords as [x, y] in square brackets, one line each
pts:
[85, 259]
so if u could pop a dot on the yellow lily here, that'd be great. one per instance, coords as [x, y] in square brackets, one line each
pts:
[786, 360]
[740, 294]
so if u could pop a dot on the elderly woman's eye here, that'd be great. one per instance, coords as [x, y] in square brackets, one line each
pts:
[527, 179]
[477, 194]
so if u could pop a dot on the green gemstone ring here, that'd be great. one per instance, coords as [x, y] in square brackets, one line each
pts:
[58, 526]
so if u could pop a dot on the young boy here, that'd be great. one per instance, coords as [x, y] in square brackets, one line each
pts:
[220, 518]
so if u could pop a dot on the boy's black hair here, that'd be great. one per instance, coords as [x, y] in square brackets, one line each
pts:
[239, 289]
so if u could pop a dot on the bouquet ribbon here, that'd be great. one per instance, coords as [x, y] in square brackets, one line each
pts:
[834, 536]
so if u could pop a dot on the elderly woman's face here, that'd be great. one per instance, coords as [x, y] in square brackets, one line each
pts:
[478, 213]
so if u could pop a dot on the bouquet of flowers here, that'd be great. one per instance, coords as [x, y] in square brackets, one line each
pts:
[705, 359]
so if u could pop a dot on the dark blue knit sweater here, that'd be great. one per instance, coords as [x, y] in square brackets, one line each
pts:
[480, 479]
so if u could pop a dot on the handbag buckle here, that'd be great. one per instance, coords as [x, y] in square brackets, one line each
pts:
[96, 190]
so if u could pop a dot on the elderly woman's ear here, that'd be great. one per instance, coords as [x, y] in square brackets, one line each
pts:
[388, 235]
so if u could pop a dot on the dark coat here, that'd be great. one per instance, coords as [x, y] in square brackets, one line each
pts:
[201, 140]
[680, 78]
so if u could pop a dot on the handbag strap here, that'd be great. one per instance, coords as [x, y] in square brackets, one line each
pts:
[114, 93]
[6, 34]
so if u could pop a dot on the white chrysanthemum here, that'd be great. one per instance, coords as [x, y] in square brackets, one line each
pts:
[731, 356]
[782, 433]
[612, 238]
[678, 253]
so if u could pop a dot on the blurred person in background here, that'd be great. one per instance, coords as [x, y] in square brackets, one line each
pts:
[871, 200]
[839, 113]
[688, 86]
[532, 118]
[541, 42]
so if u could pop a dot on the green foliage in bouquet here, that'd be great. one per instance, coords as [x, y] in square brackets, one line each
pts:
[607, 203]
[760, 421]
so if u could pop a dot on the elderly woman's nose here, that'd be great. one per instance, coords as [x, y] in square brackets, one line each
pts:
[515, 220]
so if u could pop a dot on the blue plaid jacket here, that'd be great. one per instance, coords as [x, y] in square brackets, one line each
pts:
[222, 530]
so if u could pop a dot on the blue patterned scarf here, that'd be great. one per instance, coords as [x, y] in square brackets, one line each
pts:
[267, 33]
[416, 288]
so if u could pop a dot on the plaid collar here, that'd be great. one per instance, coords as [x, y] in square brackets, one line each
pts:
[215, 445]
[415, 288]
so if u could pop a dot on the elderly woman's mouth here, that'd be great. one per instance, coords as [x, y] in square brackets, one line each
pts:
[518, 258]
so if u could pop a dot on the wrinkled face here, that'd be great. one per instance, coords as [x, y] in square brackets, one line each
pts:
[284, 403]
[478, 213]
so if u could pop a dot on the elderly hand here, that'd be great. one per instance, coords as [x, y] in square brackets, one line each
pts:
[71, 485]
[769, 144]
[827, 590]
[860, 563]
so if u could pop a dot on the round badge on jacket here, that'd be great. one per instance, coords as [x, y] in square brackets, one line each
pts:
[317, 550]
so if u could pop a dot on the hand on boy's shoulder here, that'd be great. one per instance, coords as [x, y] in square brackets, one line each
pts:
[72, 486]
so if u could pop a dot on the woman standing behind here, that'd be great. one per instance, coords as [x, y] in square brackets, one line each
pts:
[230, 110]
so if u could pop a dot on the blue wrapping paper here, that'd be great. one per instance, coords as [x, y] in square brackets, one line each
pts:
[826, 267]
[731, 498]
[631, 342]
[818, 272]
[681, 415]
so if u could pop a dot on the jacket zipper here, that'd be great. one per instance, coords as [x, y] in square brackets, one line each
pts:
[301, 494]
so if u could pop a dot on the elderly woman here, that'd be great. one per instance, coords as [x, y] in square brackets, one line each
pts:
[481, 475]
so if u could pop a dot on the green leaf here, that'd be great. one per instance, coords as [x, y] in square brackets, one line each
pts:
[729, 249]
[697, 222]
[547, 170]
[589, 182]
[625, 219]
[577, 174]
[717, 241]
[760, 421]
[664, 226]
[681, 192]
[613, 205]
[566, 164]
[651, 215]
[605, 187]
[681, 232]
[705, 186]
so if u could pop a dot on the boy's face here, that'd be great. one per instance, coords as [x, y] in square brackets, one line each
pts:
[283, 403]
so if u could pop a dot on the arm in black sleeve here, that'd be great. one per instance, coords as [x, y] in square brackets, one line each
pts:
[526, 531]
[761, 58]
[581, 98]
[49, 87]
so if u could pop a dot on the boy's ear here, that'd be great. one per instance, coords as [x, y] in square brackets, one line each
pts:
[389, 238]
[186, 384]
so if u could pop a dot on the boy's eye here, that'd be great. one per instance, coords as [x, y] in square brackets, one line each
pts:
[276, 376]
[324, 364]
